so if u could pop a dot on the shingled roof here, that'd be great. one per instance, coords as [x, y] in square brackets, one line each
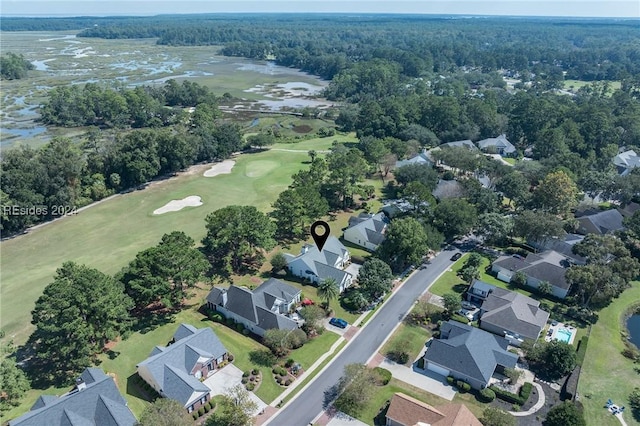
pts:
[470, 351]
[408, 411]
[258, 305]
[322, 263]
[171, 366]
[98, 403]
[513, 312]
[604, 222]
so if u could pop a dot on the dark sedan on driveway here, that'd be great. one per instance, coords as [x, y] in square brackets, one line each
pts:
[338, 322]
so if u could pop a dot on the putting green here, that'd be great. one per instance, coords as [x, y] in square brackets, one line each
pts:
[109, 234]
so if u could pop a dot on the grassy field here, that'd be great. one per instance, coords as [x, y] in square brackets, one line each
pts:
[605, 372]
[575, 85]
[108, 235]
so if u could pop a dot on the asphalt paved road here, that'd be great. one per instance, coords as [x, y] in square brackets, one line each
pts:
[309, 403]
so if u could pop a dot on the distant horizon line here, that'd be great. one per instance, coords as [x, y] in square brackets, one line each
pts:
[459, 15]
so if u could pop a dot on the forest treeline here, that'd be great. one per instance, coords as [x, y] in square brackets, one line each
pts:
[325, 44]
[40, 184]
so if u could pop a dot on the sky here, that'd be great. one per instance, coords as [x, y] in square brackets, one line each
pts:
[577, 8]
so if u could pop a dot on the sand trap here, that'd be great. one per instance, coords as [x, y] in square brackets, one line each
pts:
[223, 168]
[176, 205]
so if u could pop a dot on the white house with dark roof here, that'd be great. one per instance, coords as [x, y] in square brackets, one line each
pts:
[549, 266]
[500, 145]
[507, 313]
[469, 354]
[95, 400]
[175, 371]
[366, 230]
[268, 306]
[626, 161]
[316, 266]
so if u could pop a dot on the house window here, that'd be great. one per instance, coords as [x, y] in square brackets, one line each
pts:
[190, 409]
[210, 366]
[203, 400]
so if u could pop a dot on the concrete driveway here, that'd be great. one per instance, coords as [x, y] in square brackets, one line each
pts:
[342, 419]
[333, 328]
[228, 377]
[425, 380]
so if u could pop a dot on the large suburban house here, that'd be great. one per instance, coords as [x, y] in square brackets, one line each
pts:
[468, 354]
[626, 161]
[499, 145]
[548, 266]
[407, 411]
[316, 266]
[366, 230]
[268, 306]
[175, 371]
[600, 222]
[94, 400]
[422, 158]
[564, 246]
[511, 315]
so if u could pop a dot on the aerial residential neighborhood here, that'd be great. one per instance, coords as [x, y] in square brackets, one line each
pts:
[320, 217]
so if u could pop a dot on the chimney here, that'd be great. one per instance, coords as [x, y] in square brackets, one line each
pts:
[80, 384]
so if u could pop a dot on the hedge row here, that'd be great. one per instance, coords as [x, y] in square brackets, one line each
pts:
[385, 375]
[582, 350]
[520, 399]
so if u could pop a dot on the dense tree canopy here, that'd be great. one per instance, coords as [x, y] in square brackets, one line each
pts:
[13, 383]
[14, 66]
[164, 273]
[165, 412]
[405, 243]
[374, 278]
[564, 414]
[76, 316]
[237, 236]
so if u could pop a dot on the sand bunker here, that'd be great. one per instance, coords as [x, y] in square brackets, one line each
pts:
[176, 205]
[223, 168]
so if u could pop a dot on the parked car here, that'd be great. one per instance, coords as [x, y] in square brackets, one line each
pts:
[468, 305]
[338, 322]
[456, 256]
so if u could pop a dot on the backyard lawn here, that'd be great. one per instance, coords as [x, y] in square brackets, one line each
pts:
[311, 351]
[606, 374]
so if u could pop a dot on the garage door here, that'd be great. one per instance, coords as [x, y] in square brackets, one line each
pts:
[437, 369]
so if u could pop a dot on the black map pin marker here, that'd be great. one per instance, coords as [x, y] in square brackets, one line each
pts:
[320, 238]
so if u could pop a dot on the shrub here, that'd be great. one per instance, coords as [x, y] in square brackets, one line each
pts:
[194, 415]
[206, 408]
[210, 404]
[515, 407]
[230, 358]
[450, 380]
[252, 378]
[463, 387]
[520, 399]
[200, 411]
[244, 380]
[255, 372]
[217, 317]
[487, 395]
[282, 372]
[250, 386]
[246, 374]
[240, 327]
[289, 362]
[384, 374]
[287, 382]
[246, 331]
[230, 322]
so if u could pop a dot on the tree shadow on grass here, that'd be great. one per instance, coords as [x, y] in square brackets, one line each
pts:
[149, 322]
[134, 389]
[381, 418]
[263, 358]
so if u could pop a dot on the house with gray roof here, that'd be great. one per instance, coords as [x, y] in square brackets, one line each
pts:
[460, 144]
[175, 371]
[499, 145]
[626, 161]
[468, 354]
[268, 306]
[549, 266]
[511, 315]
[601, 222]
[316, 266]
[423, 158]
[366, 230]
[95, 400]
[563, 245]
[447, 189]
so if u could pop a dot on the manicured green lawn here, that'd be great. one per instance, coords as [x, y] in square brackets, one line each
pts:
[449, 281]
[107, 236]
[605, 372]
[409, 337]
[313, 349]
[311, 292]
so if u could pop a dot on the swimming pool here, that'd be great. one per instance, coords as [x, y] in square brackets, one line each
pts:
[563, 335]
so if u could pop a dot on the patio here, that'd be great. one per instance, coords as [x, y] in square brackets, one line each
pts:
[562, 332]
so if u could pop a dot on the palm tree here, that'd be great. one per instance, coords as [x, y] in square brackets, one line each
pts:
[328, 290]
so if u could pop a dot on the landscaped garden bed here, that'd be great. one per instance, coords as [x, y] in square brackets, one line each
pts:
[251, 379]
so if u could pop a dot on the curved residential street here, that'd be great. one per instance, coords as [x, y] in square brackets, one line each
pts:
[308, 404]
